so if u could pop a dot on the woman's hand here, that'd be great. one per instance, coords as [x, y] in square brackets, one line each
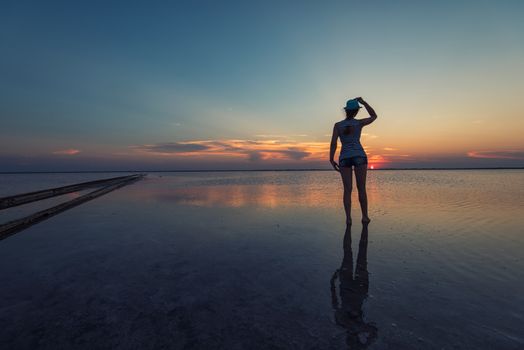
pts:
[369, 109]
[335, 165]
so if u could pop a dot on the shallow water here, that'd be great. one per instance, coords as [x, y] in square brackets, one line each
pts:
[262, 260]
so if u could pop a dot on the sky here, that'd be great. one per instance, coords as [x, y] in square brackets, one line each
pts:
[182, 85]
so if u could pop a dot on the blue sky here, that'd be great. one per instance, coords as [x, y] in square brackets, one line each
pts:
[103, 83]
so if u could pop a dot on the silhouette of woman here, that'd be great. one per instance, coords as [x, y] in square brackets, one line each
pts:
[352, 154]
[353, 291]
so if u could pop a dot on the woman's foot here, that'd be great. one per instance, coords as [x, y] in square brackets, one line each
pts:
[366, 219]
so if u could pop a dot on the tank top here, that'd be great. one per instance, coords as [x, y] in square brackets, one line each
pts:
[349, 131]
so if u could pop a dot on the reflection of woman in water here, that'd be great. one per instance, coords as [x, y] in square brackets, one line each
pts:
[352, 154]
[353, 291]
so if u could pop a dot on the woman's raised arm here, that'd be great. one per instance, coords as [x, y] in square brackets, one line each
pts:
[371, 111]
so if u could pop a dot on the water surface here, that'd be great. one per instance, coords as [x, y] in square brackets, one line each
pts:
[263, 260]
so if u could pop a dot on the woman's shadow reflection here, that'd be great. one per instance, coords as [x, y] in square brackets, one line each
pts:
[353, 290]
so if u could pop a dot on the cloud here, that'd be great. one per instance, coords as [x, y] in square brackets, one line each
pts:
[295, 154]
[252, 150]
[502, 154]
[368, 136]
[254, 156]
[174, 147]
[68, 152]
[279, 136]
[389, 149]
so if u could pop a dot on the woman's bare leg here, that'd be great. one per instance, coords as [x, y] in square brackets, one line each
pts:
[360, 176]
[347, 180]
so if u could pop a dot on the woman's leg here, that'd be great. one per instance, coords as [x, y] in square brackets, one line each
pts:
[360, 175]
[347, 180]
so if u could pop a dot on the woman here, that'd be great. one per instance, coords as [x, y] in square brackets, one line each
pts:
[352, 154]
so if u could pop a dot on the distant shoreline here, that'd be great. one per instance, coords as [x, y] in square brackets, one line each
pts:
[234, 170]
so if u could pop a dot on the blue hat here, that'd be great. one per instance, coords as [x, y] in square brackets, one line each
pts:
[352, 104]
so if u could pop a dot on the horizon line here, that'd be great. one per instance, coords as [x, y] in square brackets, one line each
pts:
[245, 170]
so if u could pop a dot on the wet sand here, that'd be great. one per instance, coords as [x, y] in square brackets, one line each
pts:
[264, 261]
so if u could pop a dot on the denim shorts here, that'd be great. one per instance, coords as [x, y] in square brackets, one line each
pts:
[353, 161]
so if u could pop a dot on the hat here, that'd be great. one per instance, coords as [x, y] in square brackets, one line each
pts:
[352, 104]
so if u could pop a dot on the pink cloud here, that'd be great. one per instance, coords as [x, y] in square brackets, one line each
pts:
[503, 154]
[69, 152]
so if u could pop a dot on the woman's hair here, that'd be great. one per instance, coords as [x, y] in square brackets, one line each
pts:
[351, 113]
